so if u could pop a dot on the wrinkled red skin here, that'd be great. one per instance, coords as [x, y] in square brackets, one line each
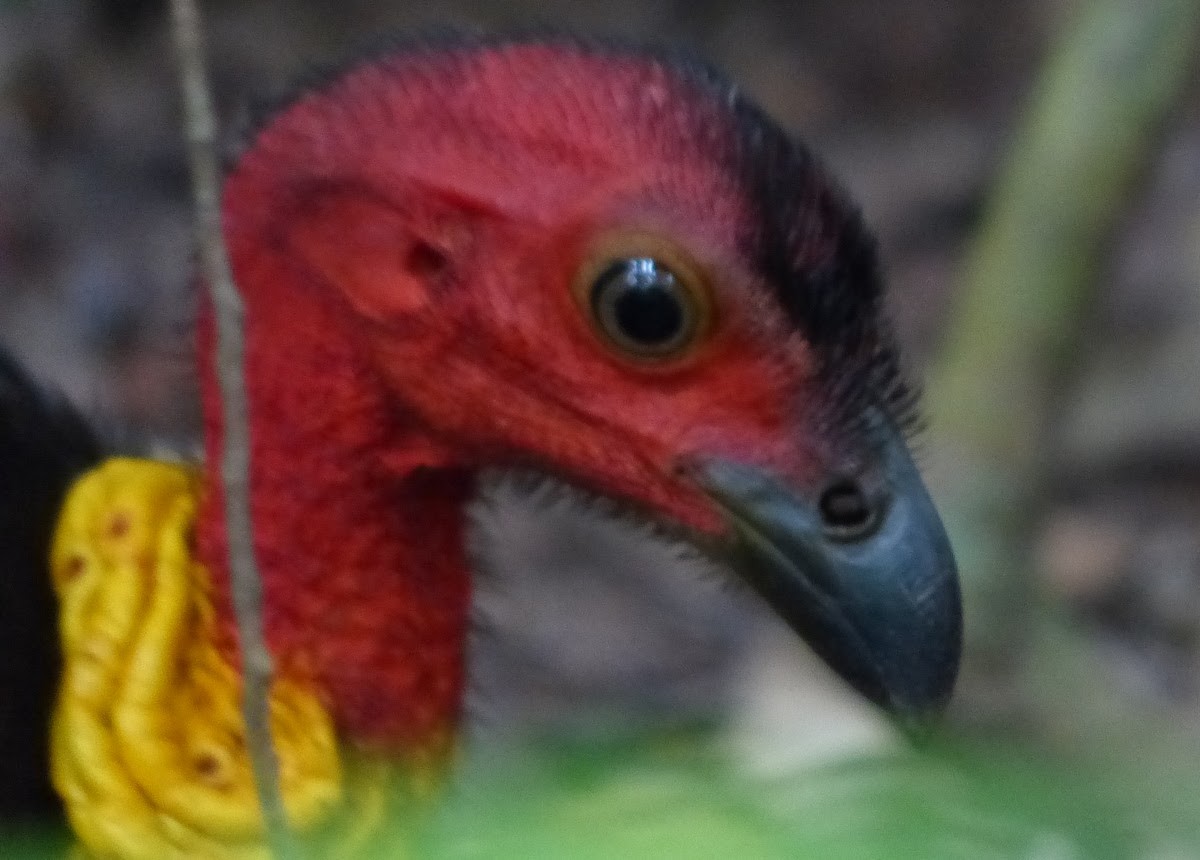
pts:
[406, 240]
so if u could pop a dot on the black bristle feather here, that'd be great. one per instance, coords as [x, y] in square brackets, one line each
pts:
[821, 260]
[44, 445]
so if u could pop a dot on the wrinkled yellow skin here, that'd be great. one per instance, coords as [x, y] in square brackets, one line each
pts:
[147, 742]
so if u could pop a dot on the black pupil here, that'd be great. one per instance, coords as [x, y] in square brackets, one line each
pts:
[844, 506]
[643, 301]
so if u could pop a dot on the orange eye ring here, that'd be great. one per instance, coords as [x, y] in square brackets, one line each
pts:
[644, 298]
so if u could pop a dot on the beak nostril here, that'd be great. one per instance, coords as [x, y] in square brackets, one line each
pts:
[859, 566]
[846, 511]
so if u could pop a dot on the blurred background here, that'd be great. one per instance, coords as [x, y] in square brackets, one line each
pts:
[1078, 526]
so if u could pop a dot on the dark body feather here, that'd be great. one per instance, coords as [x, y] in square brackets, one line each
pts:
[44, 445]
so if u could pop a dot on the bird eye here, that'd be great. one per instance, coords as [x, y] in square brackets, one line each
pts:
[643, 307]
[645, 297]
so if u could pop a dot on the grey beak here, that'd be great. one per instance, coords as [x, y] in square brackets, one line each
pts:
[881, 607]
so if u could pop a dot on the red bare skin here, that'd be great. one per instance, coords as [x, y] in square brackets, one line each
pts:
[406, 241]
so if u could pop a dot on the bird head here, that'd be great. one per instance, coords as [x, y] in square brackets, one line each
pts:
[611, 267]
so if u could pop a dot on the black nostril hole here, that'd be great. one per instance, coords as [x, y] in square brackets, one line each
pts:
[846, 510]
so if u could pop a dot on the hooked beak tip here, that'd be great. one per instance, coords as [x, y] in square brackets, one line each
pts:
[881, 607]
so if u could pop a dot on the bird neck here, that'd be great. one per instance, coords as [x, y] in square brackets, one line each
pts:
[358, 521]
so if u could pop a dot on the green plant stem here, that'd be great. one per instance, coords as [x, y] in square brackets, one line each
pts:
[1091, 129]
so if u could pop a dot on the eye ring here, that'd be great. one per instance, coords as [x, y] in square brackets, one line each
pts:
[645, 299]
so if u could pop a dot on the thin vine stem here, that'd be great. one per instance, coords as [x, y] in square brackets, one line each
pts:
[246, 584]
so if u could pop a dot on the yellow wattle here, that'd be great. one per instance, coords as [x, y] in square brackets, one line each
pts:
[147, 741]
